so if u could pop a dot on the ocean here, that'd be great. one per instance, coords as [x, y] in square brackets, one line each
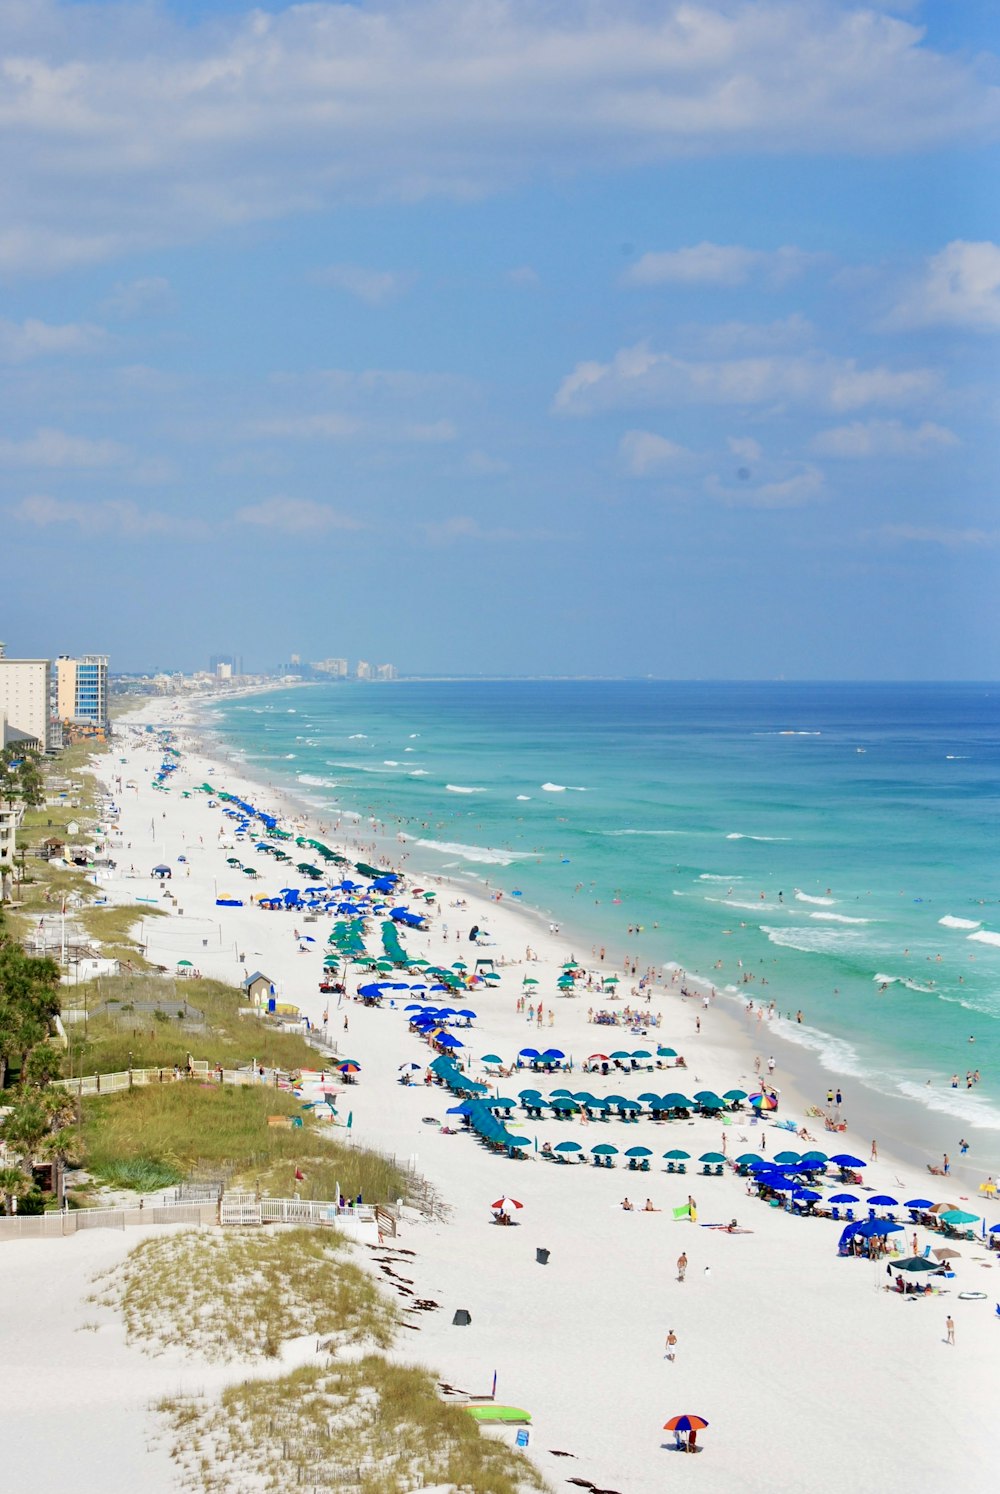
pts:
[836, 841]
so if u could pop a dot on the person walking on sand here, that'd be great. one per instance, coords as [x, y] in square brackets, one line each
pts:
[682, 1265]
[949, 1324]
[692, 1210]
[671, 1345]
[874, 1151]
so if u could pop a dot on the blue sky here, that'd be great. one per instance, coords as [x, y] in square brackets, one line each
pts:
[543, 337]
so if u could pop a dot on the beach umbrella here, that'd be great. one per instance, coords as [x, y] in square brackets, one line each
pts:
[410, 1066]
[685, 1424]
[787, 1157]
[585, 1097]
[529, 980]
[763, 1102]
[806, 1195]
[552, 1053]
[567, 1146]
[611, 980]
[563, 1102]
[465, 1012]
[186, 963]
[820, 1157]
[844, 1159]
[529, 1053]
[620, 1053]
[557, 1092]
[918, 1203]
[746, 1158]
[916, 1263]
[598, 1104]
[570, 965]
[947, 1254]
[649, 1098]
[709, 1101]
[959, 1216]
[598, 1058]
[638, 1151]
[666, 1052]
[842, 1198]
[676, 1101]
[882, 1201]
[941, 1208]
[349, 1067]
[712, 1157]
[604, 1149]
[491, 1058]
[641, 1053]
[504, 1205]
[676, 1155]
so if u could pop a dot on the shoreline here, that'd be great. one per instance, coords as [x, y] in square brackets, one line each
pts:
[775, 1287]
[910, 1130]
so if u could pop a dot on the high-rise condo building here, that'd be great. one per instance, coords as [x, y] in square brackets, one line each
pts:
[25, 690]
[82, 691]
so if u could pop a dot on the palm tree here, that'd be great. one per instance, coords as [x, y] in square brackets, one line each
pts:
[13, 1184]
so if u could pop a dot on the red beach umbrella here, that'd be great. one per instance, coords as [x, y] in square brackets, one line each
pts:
[503, 1204]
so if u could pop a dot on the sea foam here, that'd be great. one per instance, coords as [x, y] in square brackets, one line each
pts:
[457, 788]
[482, 854]
[985, 937]
[803, 897]
[949, 922]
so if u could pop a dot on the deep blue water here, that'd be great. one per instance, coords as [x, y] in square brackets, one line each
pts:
[810, 835]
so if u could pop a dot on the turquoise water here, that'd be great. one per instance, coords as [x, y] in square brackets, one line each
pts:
[836, 841]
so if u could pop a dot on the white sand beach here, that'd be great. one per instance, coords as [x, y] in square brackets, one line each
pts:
[808, 1371]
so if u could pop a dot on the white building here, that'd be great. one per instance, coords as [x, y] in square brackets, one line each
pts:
[25, 689]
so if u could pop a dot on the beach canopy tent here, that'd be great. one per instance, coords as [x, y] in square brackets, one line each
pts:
[869, 1227]
[916, 1263]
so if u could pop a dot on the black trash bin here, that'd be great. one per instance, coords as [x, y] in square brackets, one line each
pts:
[541, 1256]
[462, 1317]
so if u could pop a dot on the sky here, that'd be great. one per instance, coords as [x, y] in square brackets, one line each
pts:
[503, 336]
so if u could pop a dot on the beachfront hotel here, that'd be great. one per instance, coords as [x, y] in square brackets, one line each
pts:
[25, 692]
[82, 693]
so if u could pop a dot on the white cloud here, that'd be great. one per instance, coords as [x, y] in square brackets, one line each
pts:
[432, 432]
[374, 287]
[143, 297]
[296, 516]
[644, 452]
[331, 426]
[934, 534]
[129, 126]
[745, 447]
[960, 287]
[875, 438]
[638, 378]
[717, 264]
[481, 464]
[792, 491]
[53, 448]
[120, 518]
[793, 331]
[22, 341]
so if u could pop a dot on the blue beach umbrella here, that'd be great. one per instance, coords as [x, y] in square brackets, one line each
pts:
[883, 1201]
[919, 1203]
[842, 1198]
[844, 1159]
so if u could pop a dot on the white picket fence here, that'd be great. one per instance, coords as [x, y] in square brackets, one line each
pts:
[231, 1209]
[249, 1208]
[110, 1084]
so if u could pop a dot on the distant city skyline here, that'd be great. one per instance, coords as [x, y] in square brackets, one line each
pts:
[608, 338]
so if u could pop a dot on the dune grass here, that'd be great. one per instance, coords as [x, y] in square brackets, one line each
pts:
[369, 1426]
[240, 1295]
[228, 1038]
[190, 1126]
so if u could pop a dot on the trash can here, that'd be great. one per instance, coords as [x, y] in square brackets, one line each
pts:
[462, 1317]
[541, 1256]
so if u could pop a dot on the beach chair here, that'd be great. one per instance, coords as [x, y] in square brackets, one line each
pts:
[633, 1164]
[717, 1173]
[682, 1167]
[671, 1166]
[644, 1165]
